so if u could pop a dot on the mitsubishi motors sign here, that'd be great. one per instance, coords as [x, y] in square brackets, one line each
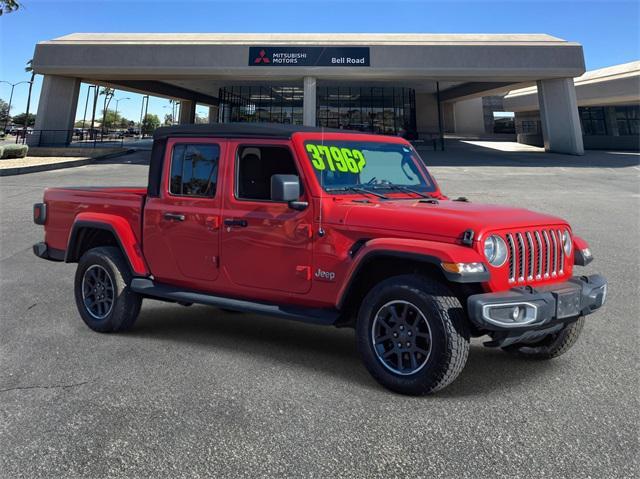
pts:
[309, 56]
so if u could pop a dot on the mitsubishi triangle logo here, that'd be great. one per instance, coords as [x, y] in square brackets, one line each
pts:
[262, 57]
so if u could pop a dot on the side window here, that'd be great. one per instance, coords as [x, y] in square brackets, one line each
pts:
[194, 169]
[256, 166]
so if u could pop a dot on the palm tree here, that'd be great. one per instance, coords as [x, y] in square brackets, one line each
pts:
[29, 69]
[108, 95]
[8, 6]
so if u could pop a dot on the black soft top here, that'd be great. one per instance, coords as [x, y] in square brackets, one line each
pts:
[238, 130]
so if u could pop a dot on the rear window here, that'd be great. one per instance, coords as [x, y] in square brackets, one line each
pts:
[194, 169]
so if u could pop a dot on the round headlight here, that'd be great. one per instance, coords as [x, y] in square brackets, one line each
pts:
[495, 250]
[566, 242]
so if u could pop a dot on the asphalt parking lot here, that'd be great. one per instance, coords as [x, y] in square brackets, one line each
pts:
[196, 392]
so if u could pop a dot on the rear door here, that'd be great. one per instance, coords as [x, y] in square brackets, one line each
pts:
[182, 225]
[265, 244]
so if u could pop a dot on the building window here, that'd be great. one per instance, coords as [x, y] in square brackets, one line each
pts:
[529, 127]
[592, 119]
[278, 104]
[628, 120]
[385, 110]
[375, 109]
[194, 169]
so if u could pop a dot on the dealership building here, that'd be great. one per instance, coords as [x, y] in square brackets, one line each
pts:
[417, 85]
[608, 106]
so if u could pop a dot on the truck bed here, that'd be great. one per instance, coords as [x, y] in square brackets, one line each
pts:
[64, 204]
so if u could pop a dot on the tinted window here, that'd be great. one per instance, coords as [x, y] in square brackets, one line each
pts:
[592, 119]
[256, 166]
[194, 169]
[628, 119]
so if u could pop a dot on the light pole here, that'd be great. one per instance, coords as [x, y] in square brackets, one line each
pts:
[145, 101]
[118, 100]
[86, 104]
[13, 85]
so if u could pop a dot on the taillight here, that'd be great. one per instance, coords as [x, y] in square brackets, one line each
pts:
[39, 213]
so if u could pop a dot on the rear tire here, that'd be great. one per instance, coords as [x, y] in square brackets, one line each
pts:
[552, 346]
[104, 300]
[411, 335]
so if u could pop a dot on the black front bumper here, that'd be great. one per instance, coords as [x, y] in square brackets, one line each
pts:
[538, 309]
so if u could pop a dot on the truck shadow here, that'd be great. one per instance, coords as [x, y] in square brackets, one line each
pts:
[323, 350]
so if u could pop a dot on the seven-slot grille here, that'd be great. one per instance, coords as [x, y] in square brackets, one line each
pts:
[535, 255]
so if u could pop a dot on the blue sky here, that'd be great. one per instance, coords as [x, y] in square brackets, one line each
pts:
[608, 30]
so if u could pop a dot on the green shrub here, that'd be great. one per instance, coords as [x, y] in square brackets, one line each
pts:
[14, 151]
[1, 151]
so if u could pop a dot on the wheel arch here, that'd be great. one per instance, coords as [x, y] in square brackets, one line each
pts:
[377, 260]
[106, 230]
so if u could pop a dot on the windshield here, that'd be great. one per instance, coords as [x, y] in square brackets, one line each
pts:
[345, 165]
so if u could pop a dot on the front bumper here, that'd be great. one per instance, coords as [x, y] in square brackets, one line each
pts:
[543, 308]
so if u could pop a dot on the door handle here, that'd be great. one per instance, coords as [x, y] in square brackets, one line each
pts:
[174, 216]
[234, 222]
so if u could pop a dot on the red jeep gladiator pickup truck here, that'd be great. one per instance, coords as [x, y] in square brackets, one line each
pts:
[328, 227]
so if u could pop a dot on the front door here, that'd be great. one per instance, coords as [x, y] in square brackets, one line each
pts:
[265, 244]
[182, 225]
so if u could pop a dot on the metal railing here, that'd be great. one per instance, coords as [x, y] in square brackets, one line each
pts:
[76, 138]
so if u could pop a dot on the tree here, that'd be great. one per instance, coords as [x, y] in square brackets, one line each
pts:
[201, 119]
[124, 123]
[150, 123]
[8, 6]
[111, 119]
[4, 111]
[108, 95]
[168, 119]
[20, 119]
[29, 69]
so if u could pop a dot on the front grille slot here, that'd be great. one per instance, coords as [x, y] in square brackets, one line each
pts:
[554, 270]
[531, 262]
[561, 250]
[512, 255]
[521, 256]
[547, 253]
[535, 255]
[539, 255]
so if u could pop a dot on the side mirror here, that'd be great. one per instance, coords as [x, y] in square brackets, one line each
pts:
[287, 188]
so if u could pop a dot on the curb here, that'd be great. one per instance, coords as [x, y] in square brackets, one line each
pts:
[21, 170]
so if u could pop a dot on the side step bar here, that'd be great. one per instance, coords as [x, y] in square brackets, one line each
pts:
[147, 287]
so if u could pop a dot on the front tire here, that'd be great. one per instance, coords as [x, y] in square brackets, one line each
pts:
[411, 335]
[104, 300]
[551, 346]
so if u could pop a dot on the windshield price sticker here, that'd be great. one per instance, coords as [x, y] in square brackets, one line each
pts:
[345, 160]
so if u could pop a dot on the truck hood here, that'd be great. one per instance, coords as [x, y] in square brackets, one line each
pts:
[446, 218]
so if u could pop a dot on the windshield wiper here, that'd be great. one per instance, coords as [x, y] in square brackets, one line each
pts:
[357, 189]
[393, 186]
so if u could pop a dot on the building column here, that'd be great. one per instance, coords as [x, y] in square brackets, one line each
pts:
[187, 112]
[309, 102]
[56, 111]
[559, 116]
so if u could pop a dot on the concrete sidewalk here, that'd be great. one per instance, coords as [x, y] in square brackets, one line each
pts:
[512, 154]
[56, 159]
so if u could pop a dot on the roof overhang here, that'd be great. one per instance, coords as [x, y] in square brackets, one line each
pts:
[497, 59]
[618, 84]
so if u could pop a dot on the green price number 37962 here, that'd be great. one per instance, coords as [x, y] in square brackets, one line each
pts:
[345, 160]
